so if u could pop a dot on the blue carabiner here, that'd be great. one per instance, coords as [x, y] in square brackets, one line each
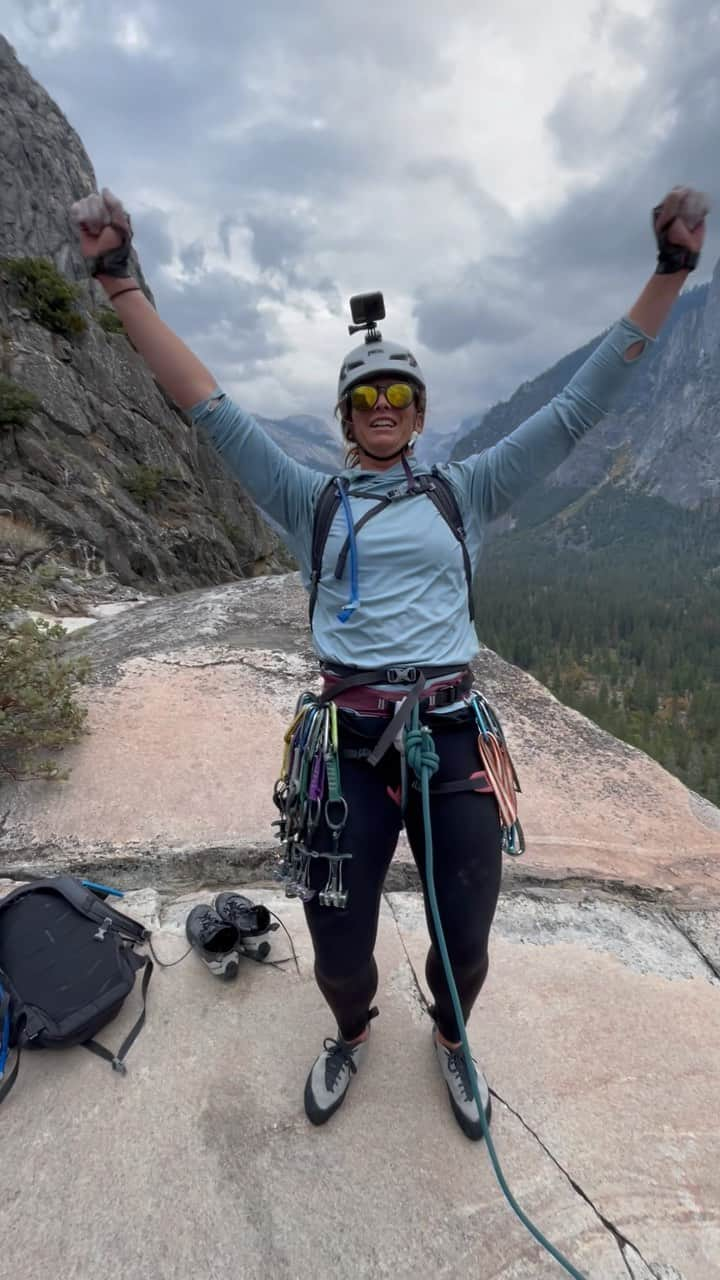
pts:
[482, 722]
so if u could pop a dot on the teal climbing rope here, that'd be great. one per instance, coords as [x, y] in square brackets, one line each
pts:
[423, 760]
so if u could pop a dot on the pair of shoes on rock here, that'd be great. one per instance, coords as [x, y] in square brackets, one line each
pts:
[333, 1070]
[231, 927]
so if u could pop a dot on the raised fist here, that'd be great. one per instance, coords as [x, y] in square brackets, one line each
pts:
[679, 225]
[105, 233]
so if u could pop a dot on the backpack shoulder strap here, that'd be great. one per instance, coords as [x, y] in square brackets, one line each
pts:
[442, 495]
[327, 504]
[117, 1060]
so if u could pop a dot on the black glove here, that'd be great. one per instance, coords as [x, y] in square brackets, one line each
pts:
[116, 262]
[691, 207]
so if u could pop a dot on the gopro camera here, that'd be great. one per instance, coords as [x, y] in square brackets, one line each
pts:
[366, 309]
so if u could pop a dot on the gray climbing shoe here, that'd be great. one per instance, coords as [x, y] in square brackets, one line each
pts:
[457, 1079]
[329, 1079]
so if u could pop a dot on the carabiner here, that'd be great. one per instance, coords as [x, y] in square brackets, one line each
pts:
[341, 802]
[313, 815]
[326, 730]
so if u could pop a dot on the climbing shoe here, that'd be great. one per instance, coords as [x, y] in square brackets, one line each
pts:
[216, 942]
[332, 1071]
[252, 922]
[457, 1079]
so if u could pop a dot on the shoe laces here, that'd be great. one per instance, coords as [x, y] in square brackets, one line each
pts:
[209, 930]
[457, 1065]
[244, 914]
[339, 1056]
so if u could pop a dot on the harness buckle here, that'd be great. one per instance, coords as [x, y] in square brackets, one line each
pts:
[403, 675]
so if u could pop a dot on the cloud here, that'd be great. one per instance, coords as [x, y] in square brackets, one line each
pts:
[447, 323]
[152, 239]
[491, 171]
[278, 240]
[223, 317]
[192, 258]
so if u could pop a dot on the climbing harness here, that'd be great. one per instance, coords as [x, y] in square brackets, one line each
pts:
[423, 759]
[309, 785]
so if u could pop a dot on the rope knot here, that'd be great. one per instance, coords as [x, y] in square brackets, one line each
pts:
[420, 751]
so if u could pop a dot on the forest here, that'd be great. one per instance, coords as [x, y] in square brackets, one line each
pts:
[613, 602]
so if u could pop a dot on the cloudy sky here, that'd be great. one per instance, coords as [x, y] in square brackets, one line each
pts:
[490, 168]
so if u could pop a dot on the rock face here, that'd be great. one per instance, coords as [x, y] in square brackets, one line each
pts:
[188, 705]
[598, 1029]
[662, 437]
[103, 423]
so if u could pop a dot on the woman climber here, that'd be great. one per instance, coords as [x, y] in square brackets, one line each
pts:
[392, 625]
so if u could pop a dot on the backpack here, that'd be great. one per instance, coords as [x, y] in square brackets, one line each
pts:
[434, 486]
[51, 996]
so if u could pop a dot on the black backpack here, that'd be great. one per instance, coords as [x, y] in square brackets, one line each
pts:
[434, 486]
[67, 963]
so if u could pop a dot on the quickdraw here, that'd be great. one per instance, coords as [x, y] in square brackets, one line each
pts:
[308, 789]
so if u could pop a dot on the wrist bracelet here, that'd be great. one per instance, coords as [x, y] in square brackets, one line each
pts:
[132, 288]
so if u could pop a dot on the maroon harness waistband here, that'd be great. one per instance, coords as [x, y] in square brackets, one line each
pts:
[369, 701]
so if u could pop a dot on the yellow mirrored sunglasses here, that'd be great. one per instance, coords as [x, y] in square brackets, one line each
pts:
[398, 394]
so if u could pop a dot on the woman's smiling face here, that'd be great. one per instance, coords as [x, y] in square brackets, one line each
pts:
[384, 429]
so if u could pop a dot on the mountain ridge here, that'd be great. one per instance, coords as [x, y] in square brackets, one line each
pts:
[668, 411]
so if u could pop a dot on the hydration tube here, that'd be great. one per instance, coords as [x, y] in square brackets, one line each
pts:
[352, 604]
[103, 888]
[423, 760]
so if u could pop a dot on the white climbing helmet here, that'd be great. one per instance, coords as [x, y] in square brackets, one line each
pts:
[377, 357]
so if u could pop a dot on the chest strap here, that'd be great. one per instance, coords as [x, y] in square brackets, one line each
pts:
[434, 486]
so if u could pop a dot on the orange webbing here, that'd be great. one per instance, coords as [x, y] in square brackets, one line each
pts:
[499, 768]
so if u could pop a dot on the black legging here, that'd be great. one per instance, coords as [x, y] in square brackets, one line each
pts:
[467, 868]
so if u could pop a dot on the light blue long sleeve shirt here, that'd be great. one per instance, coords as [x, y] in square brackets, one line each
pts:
[412, 586]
